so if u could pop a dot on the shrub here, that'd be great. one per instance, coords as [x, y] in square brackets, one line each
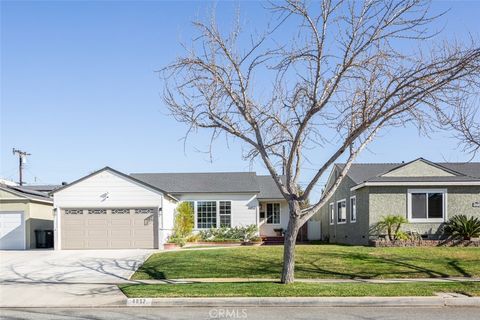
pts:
[229, 234]
[461, 227]
[390, 224]
[184, 223]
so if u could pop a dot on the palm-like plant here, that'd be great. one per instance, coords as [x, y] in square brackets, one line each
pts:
[462, 227]
[391, 224]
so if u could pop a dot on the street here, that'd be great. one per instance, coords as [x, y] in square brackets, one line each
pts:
[273, 313]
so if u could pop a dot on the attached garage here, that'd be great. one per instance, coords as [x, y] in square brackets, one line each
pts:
[105, 228]
[23, 212]
[110, 210]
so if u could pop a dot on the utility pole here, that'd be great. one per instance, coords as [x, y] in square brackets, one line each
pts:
[22, 158]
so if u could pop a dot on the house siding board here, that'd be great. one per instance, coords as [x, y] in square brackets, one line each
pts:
[121, 193]
[267, 229]
[244, 206]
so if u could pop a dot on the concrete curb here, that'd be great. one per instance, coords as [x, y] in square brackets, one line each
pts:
[307, 302]
[275, 302]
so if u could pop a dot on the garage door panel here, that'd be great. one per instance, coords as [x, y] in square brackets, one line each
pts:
[12, 230]
[107, 231]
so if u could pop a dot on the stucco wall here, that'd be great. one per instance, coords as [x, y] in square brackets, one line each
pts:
[418, 169]
[40, 218]
[350, 232]
[393, 200]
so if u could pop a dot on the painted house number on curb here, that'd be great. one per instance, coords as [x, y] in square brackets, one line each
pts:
[139, 302]
[476, 204]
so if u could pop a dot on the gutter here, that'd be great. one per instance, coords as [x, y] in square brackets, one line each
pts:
[414, 183]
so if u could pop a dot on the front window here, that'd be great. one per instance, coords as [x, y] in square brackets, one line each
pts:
[273, 213]
[225, 214]
[342, 211]
[353, 209]
[206, 214]
[331, 208]
[427, 205]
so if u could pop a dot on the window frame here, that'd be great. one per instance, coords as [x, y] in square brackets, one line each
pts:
[279, 213]
[346, 218]
[351, 209]
[444, 193]
[220, 214]
[196, 214]
[331, 213]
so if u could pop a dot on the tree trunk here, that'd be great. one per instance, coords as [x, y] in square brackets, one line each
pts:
[288, 275]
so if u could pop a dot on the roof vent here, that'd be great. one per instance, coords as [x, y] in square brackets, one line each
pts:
[64, 183]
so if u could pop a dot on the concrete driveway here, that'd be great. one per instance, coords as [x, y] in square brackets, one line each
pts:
[66, 278]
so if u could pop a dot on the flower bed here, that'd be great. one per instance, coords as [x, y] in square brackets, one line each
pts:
[425, 243]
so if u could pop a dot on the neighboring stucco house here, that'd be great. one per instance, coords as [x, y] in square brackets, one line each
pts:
[427, 194]
[110, 209]
[22, 211]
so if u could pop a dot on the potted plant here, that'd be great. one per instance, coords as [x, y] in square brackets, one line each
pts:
[278, 231]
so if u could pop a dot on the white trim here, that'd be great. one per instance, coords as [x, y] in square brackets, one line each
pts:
[331, 206]
[415, 183]
[427, 220]
[350, 204]
[343, 200]
[279, 214]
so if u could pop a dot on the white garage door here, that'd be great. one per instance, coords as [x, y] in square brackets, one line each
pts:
[12, 230]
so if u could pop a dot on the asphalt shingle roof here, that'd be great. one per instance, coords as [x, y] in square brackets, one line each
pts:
[361, 172]
[207, 182]
[27, 193]
[268, 188]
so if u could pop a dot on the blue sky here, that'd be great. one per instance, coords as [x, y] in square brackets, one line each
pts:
[79, 90]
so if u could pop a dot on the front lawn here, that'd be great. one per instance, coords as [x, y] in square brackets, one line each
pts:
[269, 289]
[314, 261]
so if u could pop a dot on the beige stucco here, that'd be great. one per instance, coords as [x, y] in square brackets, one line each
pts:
[38, 215]
[418, 168]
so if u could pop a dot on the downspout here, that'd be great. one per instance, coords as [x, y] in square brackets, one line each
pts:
[160, 224]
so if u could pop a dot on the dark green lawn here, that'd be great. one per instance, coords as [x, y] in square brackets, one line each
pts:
[270, 289]
[315, 261]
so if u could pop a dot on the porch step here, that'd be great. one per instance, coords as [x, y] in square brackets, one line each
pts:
[273, 240]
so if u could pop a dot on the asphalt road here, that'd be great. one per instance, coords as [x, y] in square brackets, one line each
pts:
[266, 313]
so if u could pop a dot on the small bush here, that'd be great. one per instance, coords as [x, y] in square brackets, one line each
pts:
[461, 227]
[184, 223]
[229, 234]
[391, 225]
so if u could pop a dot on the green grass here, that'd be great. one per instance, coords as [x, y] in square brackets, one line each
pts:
[269, 289]
[315, 261]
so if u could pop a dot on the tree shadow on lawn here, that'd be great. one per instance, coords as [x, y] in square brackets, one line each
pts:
[383, 268]
[359, 266]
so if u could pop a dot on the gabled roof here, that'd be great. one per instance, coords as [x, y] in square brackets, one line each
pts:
[205, 182]
[268, 188]
[118, 173]
[26, 193]
[373, 172]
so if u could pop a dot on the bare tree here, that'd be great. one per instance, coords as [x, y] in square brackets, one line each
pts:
[465, 121]
[341, 78]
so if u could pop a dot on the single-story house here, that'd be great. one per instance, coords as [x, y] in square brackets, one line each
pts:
[22, 211]
[427, 194]
[109, 209]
